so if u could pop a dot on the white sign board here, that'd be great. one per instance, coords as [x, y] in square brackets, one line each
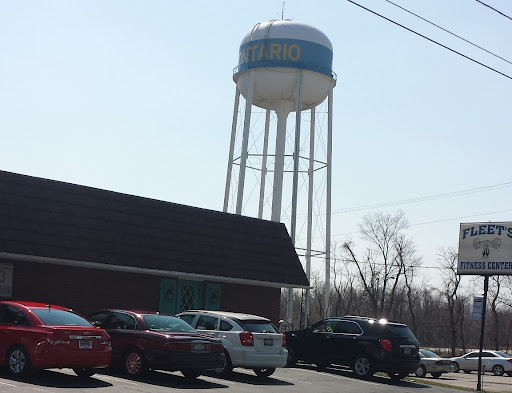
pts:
[485, 248]
[478, 306]
[6, 280]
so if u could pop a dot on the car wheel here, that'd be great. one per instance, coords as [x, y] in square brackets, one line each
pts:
[84, 371]
[363, 366]
[18, 361]
[191, 374]
[228, 366]
[467, 371]
[134, 363]
[436, 375]
[498, 370]
[456, 367]
[420, 371]
[264, 372]
[396, 376]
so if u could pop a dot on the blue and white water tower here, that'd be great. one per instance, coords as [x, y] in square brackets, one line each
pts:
[284, 66]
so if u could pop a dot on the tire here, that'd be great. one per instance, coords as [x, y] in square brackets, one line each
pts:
[396, 376]
[18, 361]
[84, 372]
[191, 374]
[456, 367]
[437, 374]
[498, 370]
[134, 363]
[264, 372]
[228, 366]
[421, 371]
[363, 366]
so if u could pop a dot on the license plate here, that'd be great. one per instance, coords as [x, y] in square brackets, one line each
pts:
[85, 344]
[268, 342]
[200, 347]
[407, 350]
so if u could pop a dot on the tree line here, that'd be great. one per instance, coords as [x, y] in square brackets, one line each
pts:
[380, 278]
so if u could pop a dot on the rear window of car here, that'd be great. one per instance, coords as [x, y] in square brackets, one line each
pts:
[402, 331]
[55, 317]
[259, 326]
[503, 354]
[165, 323]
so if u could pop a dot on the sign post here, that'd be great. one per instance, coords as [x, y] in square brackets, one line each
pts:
[485, 249]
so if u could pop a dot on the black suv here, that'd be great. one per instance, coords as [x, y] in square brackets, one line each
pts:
[364, 344]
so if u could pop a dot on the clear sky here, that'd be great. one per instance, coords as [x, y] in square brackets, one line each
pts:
[137, 97]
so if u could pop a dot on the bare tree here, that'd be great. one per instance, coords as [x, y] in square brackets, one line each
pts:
[448, 259]
[385, 262]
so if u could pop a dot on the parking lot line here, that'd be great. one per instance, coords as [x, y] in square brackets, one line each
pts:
[107, 377]
[8, 384]
[295, 380]
[350, 379]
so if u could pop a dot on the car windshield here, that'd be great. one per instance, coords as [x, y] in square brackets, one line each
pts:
[55, 317]
[166, 323]
[503, 354]
[429, 354]
[257, 326]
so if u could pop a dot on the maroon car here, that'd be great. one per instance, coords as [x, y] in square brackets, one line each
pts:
[39, 335]
[150, 340]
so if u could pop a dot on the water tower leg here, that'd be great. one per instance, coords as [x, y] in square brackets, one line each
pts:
[309, 238]
[277, 192]
[245, 145]
[328, 208]
[264, 164]
[231, 150]
[295, 184]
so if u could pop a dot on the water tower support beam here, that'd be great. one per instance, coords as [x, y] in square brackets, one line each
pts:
[295, 184]
[264, 164]
[309, 238]
[245, 144]
[234, 124]
[328, 207]
[277, 193]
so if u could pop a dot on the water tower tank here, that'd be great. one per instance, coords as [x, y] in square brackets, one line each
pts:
[277, 52]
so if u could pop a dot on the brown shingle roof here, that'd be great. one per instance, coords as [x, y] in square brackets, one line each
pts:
[47, 218]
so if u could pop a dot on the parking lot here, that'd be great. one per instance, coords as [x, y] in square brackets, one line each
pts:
[302, 379]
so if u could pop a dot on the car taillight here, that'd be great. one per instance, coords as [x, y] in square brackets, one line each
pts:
[55, 339]
[284, 340]
[386, 345]
[509, 360]
[247, 339]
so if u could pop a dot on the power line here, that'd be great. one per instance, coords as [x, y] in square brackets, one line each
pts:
[425, 198]
[442, 28]
[494, 9]
[431, 40]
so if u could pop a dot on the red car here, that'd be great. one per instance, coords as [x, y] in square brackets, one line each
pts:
[38, 335]
[150, 340]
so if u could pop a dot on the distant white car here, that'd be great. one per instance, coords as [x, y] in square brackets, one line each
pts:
[250, 341]
[498, 362]
[432, 363]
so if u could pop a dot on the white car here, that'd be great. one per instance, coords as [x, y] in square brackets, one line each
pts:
[249, 341]
[432, 363]
[498, 362]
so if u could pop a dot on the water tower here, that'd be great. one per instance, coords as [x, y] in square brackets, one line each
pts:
[284, 67]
